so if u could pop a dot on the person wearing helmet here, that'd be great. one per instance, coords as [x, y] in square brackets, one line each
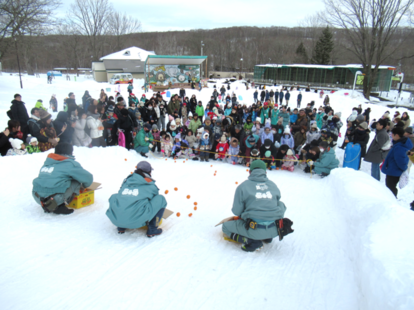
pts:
[258, 207]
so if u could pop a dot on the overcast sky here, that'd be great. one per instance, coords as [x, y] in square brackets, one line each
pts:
[165, 15]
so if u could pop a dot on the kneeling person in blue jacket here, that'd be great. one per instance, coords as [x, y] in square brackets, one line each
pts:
[60, 180]
[257, 200]
[138, 203]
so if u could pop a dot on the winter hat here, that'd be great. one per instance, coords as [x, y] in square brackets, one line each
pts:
[223, 138]
[234, 142]
[409, 130]
[287, 130]
[178, 136]
[170, 118]
[266, 104]
[111, 109]
[44, 115]
[206, 135]
[144, 166]
[254, 152]
[173, 124]
[148, 126]
[16, 143]
[257, 164]
[124, 112]
[268, 143]
[360, 118]
[217, 136]
[338, 114]
[314, 125]
[64, 149]
[363, 125]
[289, 152]
[267, 125]
[29, 136]
[200, 130]
[277, 144]
[177, 120]
[190, 114]
[268, 154]
[154, 127]
[258, 119]
[215, 118]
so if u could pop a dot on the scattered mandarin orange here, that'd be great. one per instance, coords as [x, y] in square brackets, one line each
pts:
[195, 208]
[176, 189]
[184, 161]
[237, 182]
[166, 159]
[125, 159]
[190, 215]
[178, 214]
[195, 203]
[188, 196]
[166, 192]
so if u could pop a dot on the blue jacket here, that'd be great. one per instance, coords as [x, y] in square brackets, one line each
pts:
[287, 96]
[299, 97]
[136, 202]
[293, 118]
[281, 95]
[57, 174]
[288, 141]
[396, 161]
[255, 94]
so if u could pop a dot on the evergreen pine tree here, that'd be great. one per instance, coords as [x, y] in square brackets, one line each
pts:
[301, 55]
[323, 48]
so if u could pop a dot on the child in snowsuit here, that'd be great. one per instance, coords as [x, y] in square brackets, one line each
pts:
[233, 151]
[191, 139]
[156, 134]
[254, 155]
[204, 146]
[248, 126]
[289, 161]
[190, 118]
[166, 145]
[18, 147]
[33, 146]
[287, 139]
[222, 148]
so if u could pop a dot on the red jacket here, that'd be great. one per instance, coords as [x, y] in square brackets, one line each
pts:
[222, 148]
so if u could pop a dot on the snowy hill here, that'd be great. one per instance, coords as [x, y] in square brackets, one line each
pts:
[352, 247]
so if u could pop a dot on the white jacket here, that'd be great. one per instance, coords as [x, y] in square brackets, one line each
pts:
[93, 124]
[80, 138]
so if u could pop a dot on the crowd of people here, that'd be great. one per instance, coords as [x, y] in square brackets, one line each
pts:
[223, 129]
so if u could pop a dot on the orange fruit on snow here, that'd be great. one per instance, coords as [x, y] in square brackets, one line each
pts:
[125, 159]
[195, 208]
[166, 159]
[184, 161]
[190, 215]
[195, 203]
[176, 189]
[247, 170]
[237, 182]
[131, 172]
[135, 167]
[178, 214]
[166, 192]
[187, 159]
[188, 196]
[175, 161]
[211, 166]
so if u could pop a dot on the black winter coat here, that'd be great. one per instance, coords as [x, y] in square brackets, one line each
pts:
[280, 155]
[4, 144]
[19, 113]
[61, 120]
[239, 136]
[361, 137]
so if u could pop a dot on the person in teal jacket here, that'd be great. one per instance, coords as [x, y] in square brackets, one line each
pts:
[130, 88]
[143, 140]
[285, 116]
[257, 199]
[60, 180]
[138, 203]
[319, 118]
[275, 117]
[265, 113]
[326, 162]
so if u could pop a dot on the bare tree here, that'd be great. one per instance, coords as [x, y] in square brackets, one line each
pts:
[24, 17]
[91, 17]
[122, 24]
[369, 27]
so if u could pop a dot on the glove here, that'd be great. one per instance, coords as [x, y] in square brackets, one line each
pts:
[150, 146]
[146, 138]
[310, 163]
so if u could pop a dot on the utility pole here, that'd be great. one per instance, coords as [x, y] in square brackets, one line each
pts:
[241, 65]
[201, 66]
[18, 63]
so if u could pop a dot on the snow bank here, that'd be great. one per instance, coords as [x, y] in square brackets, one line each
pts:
[381, 235]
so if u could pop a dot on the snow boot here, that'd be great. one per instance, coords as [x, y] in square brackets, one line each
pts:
[121, 230]
[249, 245]
[62, 209]
[153, 229]
[267, 240]
[144, 155]
[323, 174]
[206, 159]
[195, 158]
[201, 158]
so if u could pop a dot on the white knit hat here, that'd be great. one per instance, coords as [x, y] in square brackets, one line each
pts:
[258, 119]
[16, 143]
[287, 130]
[173, 124]
[33, 139]
[289, 152]
[190, 114]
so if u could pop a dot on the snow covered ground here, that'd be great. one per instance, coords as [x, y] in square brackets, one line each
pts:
[352, 247]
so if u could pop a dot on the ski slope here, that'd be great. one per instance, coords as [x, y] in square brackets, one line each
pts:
[352, 247]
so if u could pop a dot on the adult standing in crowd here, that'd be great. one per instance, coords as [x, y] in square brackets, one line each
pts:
[19, 113]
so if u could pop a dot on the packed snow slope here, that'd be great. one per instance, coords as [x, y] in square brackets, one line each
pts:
[352, 247]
